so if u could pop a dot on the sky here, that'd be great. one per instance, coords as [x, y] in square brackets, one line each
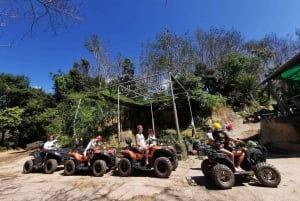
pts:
[127, 24]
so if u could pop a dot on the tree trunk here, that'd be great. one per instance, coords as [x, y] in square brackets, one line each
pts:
[2, 138]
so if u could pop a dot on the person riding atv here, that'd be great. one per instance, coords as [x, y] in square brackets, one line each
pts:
[96, 156]
[161, 158]
[221, 169]
[222, 140]
[48, 158]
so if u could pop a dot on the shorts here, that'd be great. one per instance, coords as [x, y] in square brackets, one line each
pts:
[141, 149]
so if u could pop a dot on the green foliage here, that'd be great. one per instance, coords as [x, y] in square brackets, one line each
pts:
[239, 78]
[207, 100]
[65, 141]
[169, 136]
[10, 118]
[9, 82]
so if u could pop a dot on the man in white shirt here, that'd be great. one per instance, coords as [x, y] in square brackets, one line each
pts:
[50, 144]
[140, 142]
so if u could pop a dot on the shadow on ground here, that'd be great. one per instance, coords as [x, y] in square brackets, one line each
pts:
[209, 184]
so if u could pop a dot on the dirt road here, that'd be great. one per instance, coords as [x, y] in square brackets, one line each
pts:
[186, 183]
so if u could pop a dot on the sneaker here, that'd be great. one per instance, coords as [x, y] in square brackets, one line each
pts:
[239, 170]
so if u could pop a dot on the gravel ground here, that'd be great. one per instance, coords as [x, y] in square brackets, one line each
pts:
[186, 183]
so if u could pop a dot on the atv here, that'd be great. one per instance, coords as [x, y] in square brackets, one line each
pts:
[99, 160]
[162, 158]
[46, 160]
[220, 168]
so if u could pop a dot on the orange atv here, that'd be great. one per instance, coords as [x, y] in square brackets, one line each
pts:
[99, 160]
[162, 158]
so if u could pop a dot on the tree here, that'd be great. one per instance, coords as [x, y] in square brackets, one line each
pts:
[56, 13]
[60, 85]
[10, 119]
[283, 48]
[8, 85]
[215, 43]
[169, 52]
[127, 76]
[97, 48]
[274, 51]
[127, 70]
[34, 102]
[208, 78]
[240, 76]
[76, 80]
[262, 50]
[23, 102]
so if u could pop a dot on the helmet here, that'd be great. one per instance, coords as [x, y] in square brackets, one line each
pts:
[228, 125]
[216, 125]
[139, 127]
[99, 138]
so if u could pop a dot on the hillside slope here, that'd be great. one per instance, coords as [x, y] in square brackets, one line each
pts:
[240, 130]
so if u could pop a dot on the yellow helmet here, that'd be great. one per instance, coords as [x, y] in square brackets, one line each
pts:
[217, 125]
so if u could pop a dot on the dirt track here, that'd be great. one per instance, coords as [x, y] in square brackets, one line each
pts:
[186, 183]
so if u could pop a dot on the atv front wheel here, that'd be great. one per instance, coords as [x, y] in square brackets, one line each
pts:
[99, 168]
[124, 167]
[206, 167]
[223, 176]
[267, 175]
[28, 167]
[69, 168]
[162, 167]
[50, 166]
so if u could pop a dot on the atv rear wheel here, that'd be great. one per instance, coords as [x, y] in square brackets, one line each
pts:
[50, 166]
[162, 167]
[175, 164]
[267, 175]
[28, 167]
[206, 167]
[69, 168]
[223, 176]
[99, 168]
[124, 167]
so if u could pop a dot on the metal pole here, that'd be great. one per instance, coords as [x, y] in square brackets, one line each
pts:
[119, 125]
[74, 121]
[192, 118]
[174, 108]
[181, 144]
[153, 126]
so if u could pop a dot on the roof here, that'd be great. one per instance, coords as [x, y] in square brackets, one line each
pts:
[290, 70]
